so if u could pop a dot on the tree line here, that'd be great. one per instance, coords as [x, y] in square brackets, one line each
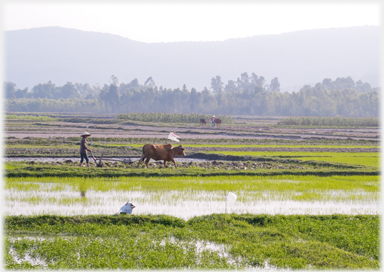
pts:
[248, 95]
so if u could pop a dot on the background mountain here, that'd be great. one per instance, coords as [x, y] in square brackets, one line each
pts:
[304, 57]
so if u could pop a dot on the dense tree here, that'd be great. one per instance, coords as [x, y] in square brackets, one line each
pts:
[110, 96]
[275, 85]
[231, 86]
[67, 91]
[216, 84]
[247, 96]
[114, 80]
[134, 83]
[149, 82]
[46, 90]
[10, 89]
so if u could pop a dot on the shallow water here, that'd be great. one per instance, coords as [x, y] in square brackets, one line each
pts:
[200, 245]
[182, 204]
[75, 159]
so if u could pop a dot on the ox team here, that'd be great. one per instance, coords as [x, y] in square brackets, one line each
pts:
[150, 151]
[214, 121]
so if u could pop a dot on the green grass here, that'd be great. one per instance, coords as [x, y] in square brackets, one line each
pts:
[298, 188]
[139, 142]
[250, 145]
[57, 146]
[41, 170]
[29, 117]
[170, 117]
[165, 242]
[282, 146]
[8, 166]
[103, 144]
[331, 121]
[255, 166]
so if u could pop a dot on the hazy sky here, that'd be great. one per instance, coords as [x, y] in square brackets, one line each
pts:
[170, 21]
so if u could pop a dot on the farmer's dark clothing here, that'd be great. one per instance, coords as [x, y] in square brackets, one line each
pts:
[83, 146]
[84, 156]
[83, 150]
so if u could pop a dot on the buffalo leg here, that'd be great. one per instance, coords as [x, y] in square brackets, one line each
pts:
[174, 163]
[141, 159]
[147, 161]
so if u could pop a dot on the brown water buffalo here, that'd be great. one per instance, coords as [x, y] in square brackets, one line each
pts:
[161, 152]
[202, 121]
[218, 122]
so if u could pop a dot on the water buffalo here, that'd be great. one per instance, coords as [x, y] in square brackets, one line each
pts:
[217, 122]
[202, 121]
[161, 152]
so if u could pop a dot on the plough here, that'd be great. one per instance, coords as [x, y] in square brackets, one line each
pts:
[100, 164]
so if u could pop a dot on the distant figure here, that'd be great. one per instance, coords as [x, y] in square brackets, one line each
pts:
[127, 208]
[84, 148]
[202, 121]
[213, 121]
[218, 122]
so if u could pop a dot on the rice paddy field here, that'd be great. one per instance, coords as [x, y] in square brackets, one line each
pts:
[307, 197]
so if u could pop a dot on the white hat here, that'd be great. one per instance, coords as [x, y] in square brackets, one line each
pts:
[85, 134]
[213, 116]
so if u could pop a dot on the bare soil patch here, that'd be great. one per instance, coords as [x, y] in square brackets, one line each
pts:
[283, 149]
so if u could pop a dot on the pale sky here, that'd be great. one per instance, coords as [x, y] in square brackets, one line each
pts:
[171, 21]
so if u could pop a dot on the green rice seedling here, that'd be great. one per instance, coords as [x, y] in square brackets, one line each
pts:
[280, 146]
[340, 188]
[29, 117]
[22, 146]
[259, 167]
[169, 117]
[331, 121]
[139, 142]
[192, 183]
[216, 241]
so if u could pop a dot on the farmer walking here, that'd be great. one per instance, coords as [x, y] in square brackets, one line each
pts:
[213, 121]
[84, 148]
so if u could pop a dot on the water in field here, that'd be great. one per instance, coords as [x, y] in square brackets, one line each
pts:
[200, 246]
[182, 204]
[76, 159]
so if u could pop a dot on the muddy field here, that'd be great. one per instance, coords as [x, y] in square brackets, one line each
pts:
[327, 176]
[52, 139]
[180, 162]
[284, 149]
[22, 129]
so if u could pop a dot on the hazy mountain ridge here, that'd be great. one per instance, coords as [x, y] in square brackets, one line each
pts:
[305, 57]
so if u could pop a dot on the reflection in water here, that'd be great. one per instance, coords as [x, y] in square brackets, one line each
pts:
[182, 204]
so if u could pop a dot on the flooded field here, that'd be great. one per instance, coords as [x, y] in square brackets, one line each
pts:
[76, 159]
[200, 247]
[307, 197]
[181, 204]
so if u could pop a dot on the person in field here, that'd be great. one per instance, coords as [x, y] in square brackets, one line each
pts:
[213, 121]
[127, 208]
[84, 148]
